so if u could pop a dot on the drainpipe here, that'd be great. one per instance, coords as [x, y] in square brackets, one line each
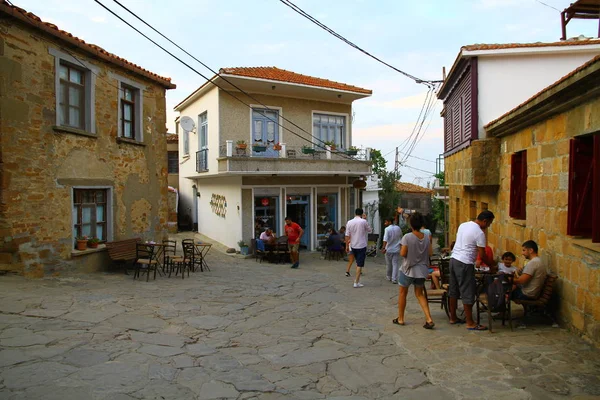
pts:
[229, 147]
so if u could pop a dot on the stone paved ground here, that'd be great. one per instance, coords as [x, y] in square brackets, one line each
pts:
[260, 331]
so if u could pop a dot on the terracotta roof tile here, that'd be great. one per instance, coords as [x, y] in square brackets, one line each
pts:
[172, 138]
[499, 46]
[558, 82]
[36, 22]
[406, 187]
[282, 75]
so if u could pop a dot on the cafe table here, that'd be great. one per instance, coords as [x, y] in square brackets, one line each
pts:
[201, 250]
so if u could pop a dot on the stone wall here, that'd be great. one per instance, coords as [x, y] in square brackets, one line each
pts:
[39, 165]
[576, 261]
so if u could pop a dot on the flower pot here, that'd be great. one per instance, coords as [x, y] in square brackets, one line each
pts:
[276, 147]
[241, 146]
[308, 150]
[244, 251]
[259, 149]
[93, 245]
[351, 152]
[81, 244]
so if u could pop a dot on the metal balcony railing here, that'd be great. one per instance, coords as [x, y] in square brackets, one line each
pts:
[298, 152]
[202, 160]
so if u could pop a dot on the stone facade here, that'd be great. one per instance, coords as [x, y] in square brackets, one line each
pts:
[543, 127]
[41, 164]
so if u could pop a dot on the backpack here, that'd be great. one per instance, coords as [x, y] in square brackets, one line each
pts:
[496, 293]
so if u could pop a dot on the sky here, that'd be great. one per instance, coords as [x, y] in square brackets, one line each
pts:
[419, 37]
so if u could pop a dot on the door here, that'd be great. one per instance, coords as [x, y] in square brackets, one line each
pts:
[203, 142]
[265, 132]
[298, 208]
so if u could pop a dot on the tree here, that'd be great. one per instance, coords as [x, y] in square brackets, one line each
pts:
[378, 162]
[389, 197]
[440, 212]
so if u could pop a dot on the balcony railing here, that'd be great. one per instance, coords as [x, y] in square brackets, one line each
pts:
[298, 152]
[202, 160]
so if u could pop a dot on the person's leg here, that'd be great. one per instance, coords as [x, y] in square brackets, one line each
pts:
[358, 272]
[420, 294]
[467, 287]
[359, 255]
[435, 277]
[395, 259]
[453, 293]
[403, 291]
[350, 262]
[389, 267]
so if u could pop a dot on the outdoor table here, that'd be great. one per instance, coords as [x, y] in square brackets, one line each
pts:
[202, 250]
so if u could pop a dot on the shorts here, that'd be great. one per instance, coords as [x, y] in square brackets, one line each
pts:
[406, 281]
[359, 256]
[462, 281]
[293, 247]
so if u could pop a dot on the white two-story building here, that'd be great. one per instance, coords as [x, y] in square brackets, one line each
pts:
[286, 169]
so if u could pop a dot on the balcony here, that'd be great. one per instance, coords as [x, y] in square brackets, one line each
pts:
[292, 160]
[202, 160]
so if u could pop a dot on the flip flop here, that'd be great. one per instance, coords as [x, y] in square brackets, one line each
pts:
[395, 321]
[478, 328]
[429, 325]
[458, 321]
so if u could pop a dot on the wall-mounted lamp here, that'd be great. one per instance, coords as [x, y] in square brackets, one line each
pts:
[339, 96]
[273, 87]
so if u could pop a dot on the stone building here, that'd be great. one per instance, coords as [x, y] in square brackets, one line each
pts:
[82, 148]
[543, 183]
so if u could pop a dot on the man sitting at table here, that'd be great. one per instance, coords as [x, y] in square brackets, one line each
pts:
[268, 236]
[530, 283]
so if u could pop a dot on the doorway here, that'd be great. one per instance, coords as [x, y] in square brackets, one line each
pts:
[298, 209]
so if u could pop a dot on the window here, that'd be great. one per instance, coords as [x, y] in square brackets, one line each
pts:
[128, 113]
[518, 185]
[472, 210]
[90, 212]
[203, 124]
[75, 90]
[330, 128]
[173, 162]
[186, 143]
[584, 187]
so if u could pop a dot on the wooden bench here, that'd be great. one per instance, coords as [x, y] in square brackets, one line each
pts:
[543, 299]
[123, 251]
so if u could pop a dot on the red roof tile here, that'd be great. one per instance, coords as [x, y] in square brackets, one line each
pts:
[282, 75]
[172, 138]
[36, 22]
[500, 46]
[406, 187]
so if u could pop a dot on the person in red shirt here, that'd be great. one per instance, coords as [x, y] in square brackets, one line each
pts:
[294, 232]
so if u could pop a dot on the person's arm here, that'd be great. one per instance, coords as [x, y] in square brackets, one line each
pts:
[383, 248]
[522, 279]
[480, 256]
[347, 241]
[404, 251]
[300, 235]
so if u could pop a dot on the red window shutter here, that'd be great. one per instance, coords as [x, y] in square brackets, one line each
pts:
[523, 193]
[596, 189]
[516, 186]
[580, 214]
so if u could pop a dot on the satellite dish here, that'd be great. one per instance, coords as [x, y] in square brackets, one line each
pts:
[187, 124]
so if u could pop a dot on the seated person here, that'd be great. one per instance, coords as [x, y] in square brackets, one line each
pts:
[334, 241]
[268, 236]
[529, 285]
[506, 267]
[488, 259]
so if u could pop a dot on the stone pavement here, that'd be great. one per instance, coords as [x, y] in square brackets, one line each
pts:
[262, 331]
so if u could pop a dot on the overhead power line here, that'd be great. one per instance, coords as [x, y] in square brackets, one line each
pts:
[548, 5]
[211, 80]
[312, 19]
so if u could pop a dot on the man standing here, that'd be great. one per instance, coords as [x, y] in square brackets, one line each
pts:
[470, 242]
[356, 236]
[294, 232]
[391, 248]
[531, 281]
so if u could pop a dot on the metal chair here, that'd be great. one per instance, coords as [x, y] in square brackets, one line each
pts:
[170, 256]
[483, 303]
[144, 256]
[440, 296]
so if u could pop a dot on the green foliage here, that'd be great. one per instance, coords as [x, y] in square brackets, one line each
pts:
[442, 177]
[438, 215]
[389, 197]
[378, 162]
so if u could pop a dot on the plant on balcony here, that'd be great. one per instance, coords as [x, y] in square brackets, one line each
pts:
[308, 150]
[259, 148]
[352, 151]
[331, 144]
[241, 144]
[93, 242]
[277, 146]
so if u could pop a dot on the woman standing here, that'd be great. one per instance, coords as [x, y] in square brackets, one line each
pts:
[416, 250]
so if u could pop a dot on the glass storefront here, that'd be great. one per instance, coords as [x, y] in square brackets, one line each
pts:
[326, 216]
[266, 214]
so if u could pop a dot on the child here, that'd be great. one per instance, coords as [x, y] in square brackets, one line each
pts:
[505, 267]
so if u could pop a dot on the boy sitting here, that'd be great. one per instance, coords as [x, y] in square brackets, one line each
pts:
[506, 267]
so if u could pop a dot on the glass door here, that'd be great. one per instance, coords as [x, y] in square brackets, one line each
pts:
[266, 214]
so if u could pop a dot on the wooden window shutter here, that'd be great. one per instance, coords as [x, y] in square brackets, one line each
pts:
[580, 214]
[518, 182]
[596, 189]
[523, 194]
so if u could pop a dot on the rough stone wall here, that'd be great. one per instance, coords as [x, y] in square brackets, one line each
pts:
[476, 165]
[575, 260]
[39, 165]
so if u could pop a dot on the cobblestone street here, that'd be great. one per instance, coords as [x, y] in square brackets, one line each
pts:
[247, 330]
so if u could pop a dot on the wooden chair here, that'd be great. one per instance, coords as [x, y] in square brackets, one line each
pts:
[258, 249]
[185, 262]
[144, 256]
[170, 257]
[542, 302]
[483, 304]
[440, 296]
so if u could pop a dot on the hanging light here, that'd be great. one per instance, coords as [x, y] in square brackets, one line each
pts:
[324, 199]
[264, 201]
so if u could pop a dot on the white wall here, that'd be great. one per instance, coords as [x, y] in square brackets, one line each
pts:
[226, 230]
[370, 196]
[508, 80]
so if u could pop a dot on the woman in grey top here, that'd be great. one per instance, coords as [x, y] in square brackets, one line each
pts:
[416, 249]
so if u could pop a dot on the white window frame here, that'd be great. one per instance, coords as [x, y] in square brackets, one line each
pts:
[346, 139]
[139, 106]
[109, 209]
[201, 126]
[90, 72]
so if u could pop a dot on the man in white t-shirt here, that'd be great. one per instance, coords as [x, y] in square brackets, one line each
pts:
[356, 237]
[470, 242]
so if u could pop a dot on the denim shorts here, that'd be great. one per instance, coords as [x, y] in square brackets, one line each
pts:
[406, 281]
[359, 256]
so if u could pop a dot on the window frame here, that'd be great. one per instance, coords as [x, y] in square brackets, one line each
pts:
[345, 136]
[174, 160]
[138, 110]
[89, 77]
[64, 100]
[108, 212]
[518, 185]
[578, 190]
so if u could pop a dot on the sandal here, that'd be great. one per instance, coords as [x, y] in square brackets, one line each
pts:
[395, 321]
[429, 325]
[458, 321]
[478, 328]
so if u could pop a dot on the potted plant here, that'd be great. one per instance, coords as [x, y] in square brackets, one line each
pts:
[259, 148]
[331, 144]
[241, 144]
[308, 150]
[352, 151]
[243, 247]
[81, 242]
[93, 242]
[277, 146]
